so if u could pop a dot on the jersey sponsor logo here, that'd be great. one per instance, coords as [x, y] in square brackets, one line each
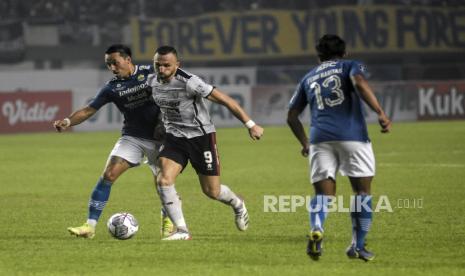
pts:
[325, 65]
[120, 87]
[133, 89]
[138, 96]
[167, 103]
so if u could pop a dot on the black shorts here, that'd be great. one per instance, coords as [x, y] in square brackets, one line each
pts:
[201, 151]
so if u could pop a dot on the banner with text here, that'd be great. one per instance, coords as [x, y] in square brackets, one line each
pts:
[441, 100]
[285, 33]
[32, 111]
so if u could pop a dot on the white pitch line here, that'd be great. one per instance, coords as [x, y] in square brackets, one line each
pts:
[395, 153]
[423, 165]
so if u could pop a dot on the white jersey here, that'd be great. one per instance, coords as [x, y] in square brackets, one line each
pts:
[182, 104]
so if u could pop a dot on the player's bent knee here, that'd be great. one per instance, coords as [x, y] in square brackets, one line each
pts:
[164, 181]
[212, 193]
[110, 177]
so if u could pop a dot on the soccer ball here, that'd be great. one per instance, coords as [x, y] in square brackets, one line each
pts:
[122, 226]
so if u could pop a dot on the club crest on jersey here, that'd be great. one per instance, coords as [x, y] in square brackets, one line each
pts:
[140, 77]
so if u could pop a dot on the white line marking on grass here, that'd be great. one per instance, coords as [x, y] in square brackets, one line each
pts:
[396, 153]
[423, 165]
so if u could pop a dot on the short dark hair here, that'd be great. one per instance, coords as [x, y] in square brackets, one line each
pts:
[123, 50]
[165, 49]
[330, 46]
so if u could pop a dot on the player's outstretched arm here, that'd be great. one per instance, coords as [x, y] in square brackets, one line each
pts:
[255, 131]
[298, 130]
[75, 118]
[369, 97]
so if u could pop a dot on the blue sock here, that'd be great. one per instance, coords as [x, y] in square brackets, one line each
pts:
[318, 211]
[361, 219]
[99, 198]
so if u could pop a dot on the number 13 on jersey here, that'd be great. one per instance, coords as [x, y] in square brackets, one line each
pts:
[333, 83]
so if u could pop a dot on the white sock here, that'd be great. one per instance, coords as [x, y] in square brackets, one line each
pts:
[172, 205]
[229, 197]
[92, 222]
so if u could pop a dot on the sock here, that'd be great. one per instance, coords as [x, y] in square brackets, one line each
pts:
[172, 206]
[318, 211]
[92, 222]
[163, 212]
[98, 200]
[361, 219]
[229, 197]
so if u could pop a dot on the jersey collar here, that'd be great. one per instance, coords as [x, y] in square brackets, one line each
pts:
[136, 69]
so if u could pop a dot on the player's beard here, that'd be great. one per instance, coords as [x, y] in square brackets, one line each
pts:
[164, 78]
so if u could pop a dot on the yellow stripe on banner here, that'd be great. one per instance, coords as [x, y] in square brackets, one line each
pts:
[285, 33]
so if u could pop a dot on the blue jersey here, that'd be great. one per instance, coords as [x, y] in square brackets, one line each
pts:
[133, 97]
[335, 107]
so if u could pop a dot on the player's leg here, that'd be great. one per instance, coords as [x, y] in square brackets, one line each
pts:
[212, 187]
[125, 154]
[323, 164]
[362, 216]
[169, 198]
[99, 196]
[324, 190]
[151, 150]
[172, 160]
[204, 158]
[359, 164]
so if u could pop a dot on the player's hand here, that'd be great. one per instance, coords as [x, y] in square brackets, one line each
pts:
[385, 123]
[256, 132]
[305, 150]
[61, 125]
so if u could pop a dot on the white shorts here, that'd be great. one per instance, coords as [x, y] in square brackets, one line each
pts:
[133, 149]
[350, 158]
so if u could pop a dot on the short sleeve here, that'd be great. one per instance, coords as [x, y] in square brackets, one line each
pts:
[197, 86]
[101, 99]
[357, 68]
[299, 99]
[150, 69]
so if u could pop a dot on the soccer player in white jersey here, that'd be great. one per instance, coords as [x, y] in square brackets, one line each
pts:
[141, 134]
[191, 136]
[338, 139]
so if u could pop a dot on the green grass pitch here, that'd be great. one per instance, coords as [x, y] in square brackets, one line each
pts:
[46, 180]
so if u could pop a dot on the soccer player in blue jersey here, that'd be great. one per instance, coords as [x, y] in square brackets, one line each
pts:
[141, 134]
[339, 141]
